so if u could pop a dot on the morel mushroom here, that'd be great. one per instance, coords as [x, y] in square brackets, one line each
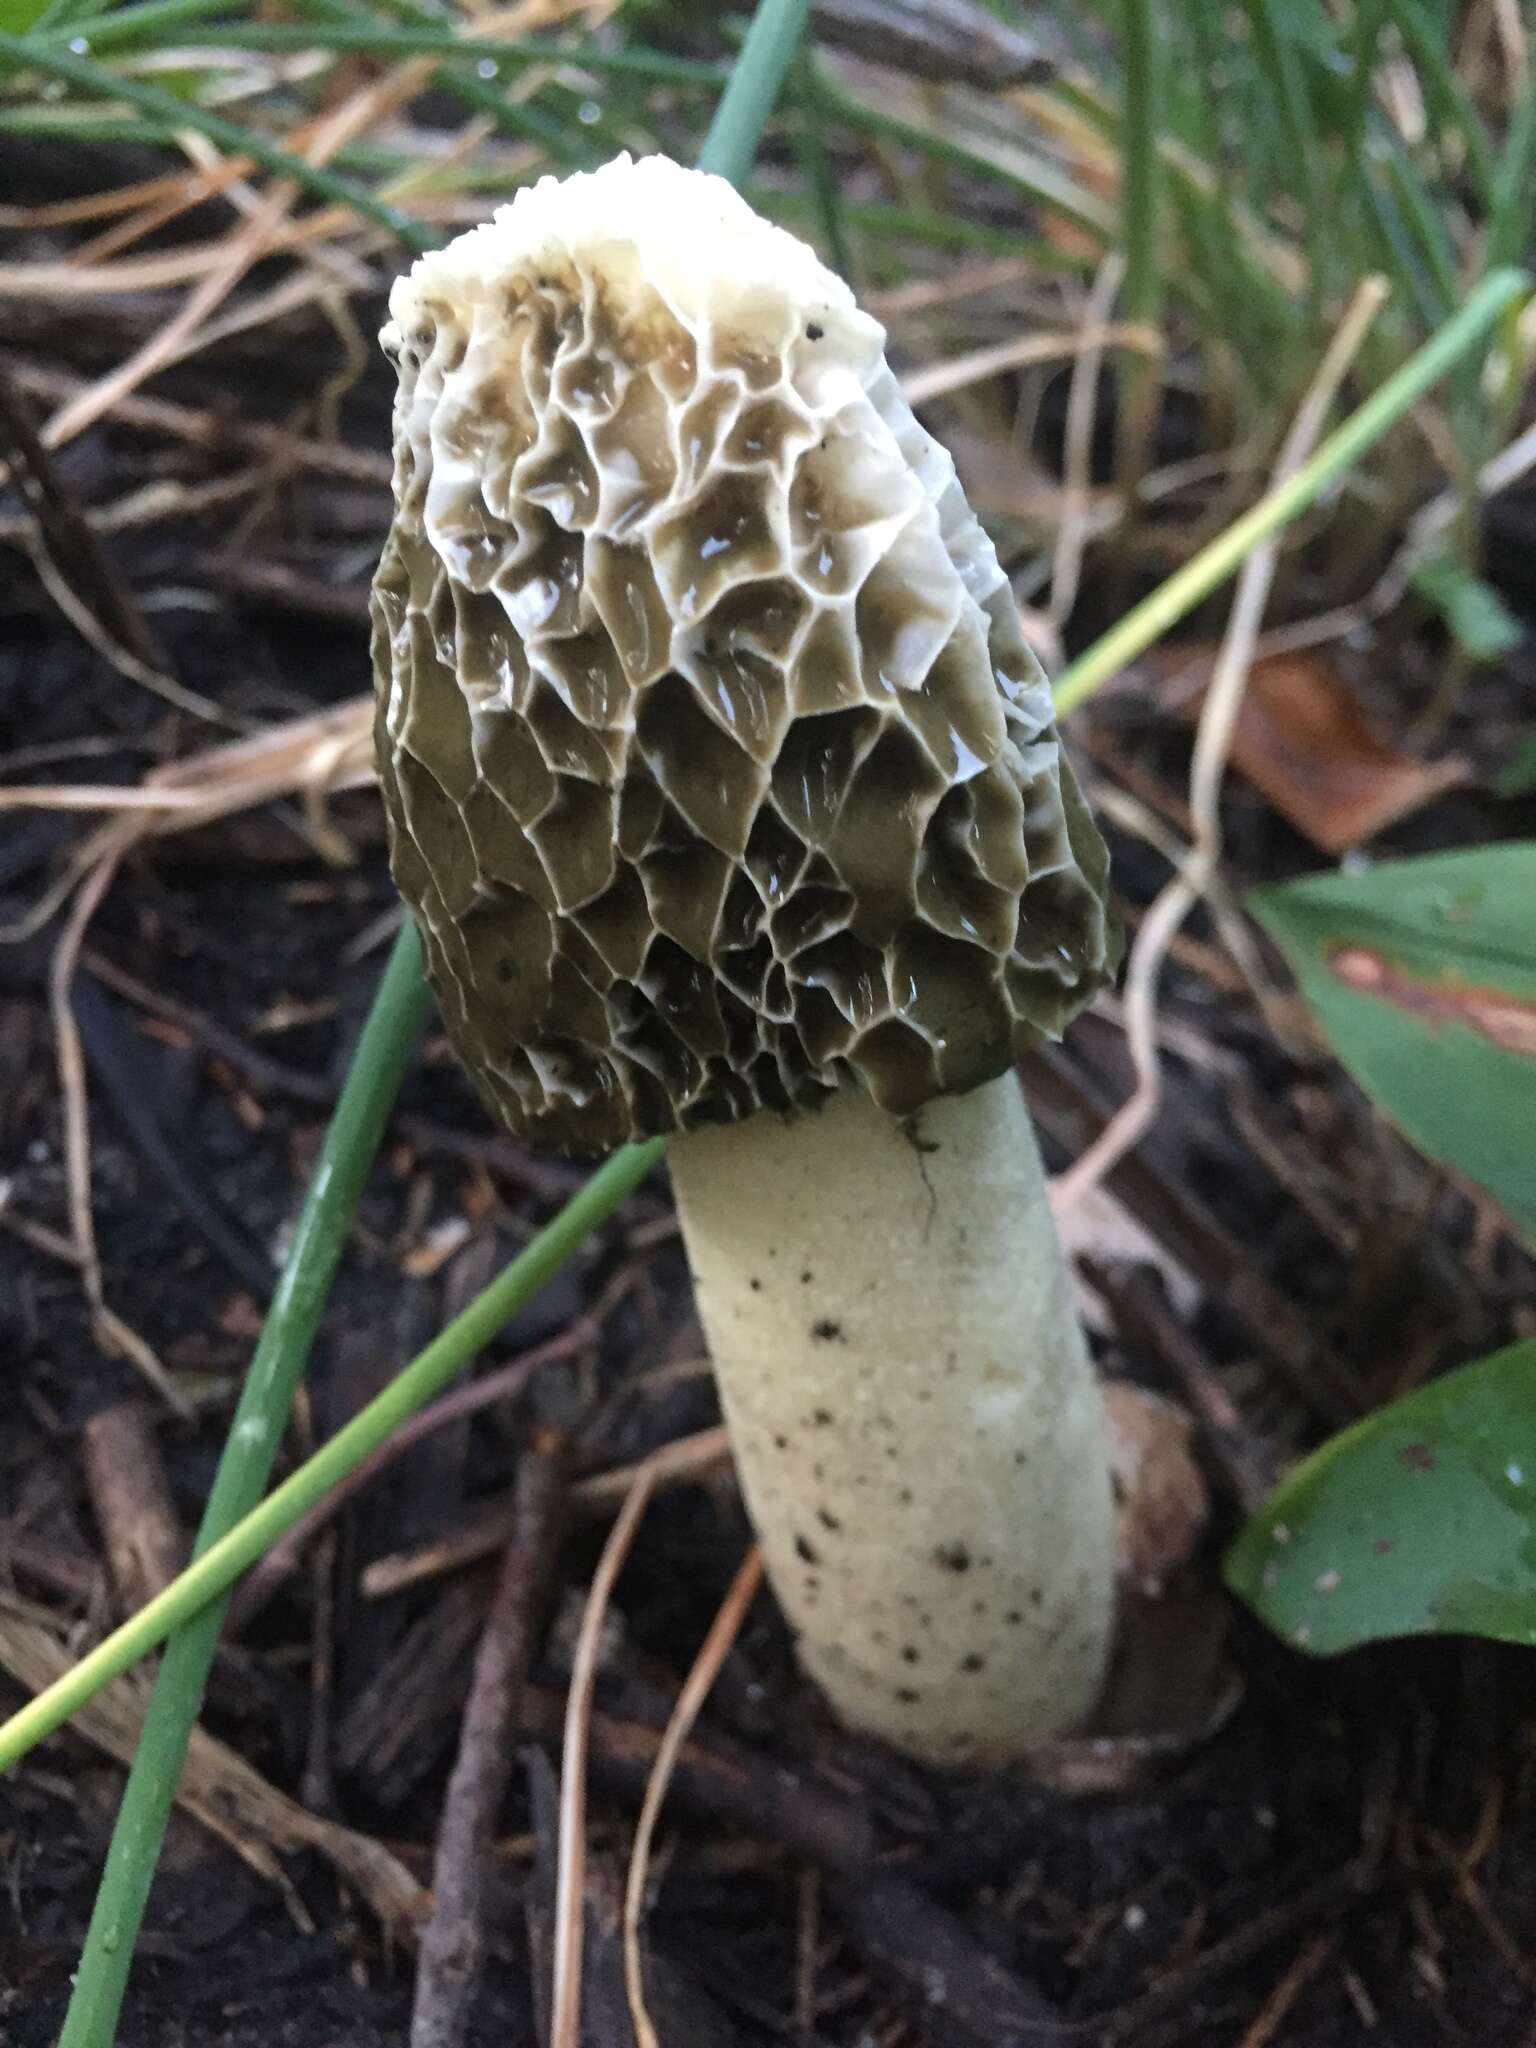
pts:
[729, 802]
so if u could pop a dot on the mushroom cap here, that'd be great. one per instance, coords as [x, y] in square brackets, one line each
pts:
[718, 774]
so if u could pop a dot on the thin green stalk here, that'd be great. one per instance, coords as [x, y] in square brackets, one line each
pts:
[128, 28]
[68, 17]
[1202, 573]
[1038, 179]
[1141, 218]
[23, 53]
[1444, 92]
[1509, 221]
[73, 126]
[757, 78]
[389, 1039]
[529, 123]
[1234, 234]
[905, 225]
[1277, 54]
[1401, 253]
[215, 1570]
[816, 164]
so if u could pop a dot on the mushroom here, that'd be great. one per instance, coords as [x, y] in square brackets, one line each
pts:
[730, 805]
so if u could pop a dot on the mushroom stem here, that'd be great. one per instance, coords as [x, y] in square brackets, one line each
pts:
[913, 1412]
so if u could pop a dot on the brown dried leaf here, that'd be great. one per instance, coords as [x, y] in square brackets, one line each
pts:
[1303, 743]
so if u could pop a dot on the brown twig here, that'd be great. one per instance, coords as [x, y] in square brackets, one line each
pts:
[675, 1464]
[131, 1500]
[453, 1942]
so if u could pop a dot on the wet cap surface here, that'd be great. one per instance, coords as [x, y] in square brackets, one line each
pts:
[717, 771]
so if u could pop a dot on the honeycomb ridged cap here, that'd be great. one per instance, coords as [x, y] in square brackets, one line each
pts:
[718, 774]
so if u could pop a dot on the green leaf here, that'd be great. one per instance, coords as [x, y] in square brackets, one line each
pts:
[18, 16]
[1420, 1520]
[1423, 975]
[1475, 615]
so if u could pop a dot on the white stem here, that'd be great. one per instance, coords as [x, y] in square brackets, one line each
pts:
[913, 1412]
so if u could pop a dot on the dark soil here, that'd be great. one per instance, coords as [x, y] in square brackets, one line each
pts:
[1310, 1855]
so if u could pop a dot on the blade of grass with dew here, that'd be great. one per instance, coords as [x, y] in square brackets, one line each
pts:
[126, 29]
[233, 1533]
[26, 53]
[389, 1039]
[474, 90]
[1202, 573]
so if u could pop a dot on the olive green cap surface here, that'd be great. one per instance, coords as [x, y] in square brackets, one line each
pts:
[718, 774]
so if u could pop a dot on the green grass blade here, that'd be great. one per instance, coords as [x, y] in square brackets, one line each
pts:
[1141, 222]
[66, 17]
[1277, 53]
[528, 122]
[25, 53]
[1215, 562]
[816, 163]
[1025, 170]
[1509, 222]
[133, 28]
[385, 1049]
[1444, 93]
[757, 78]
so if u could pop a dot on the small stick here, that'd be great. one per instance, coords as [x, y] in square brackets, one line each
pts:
[318, 1784]
[688, 1457]
[453, 1943]
[131, 1500]
[1274, 2012]
[706, 1668]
